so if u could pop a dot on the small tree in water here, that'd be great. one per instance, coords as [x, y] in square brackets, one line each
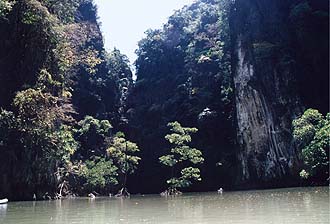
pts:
[121, 151]
[181, 155]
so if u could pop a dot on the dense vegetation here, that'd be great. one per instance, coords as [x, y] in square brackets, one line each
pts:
[73, 121]
[59, 89]
[184, 74]
[312, 134]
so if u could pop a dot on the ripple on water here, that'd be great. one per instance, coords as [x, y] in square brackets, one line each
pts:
[287, 206]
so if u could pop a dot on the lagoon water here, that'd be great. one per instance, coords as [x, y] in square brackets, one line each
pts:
[289, 206]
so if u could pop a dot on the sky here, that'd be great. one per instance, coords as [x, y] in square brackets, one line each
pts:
[123, 22]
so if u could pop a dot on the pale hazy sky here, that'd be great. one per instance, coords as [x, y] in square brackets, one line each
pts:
[124, 21]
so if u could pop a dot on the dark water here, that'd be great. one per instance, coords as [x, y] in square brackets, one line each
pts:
[294, 205]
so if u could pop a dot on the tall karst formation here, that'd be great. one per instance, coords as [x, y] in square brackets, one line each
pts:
[271, 41]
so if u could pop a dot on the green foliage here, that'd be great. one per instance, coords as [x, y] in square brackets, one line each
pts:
[181, 153]
[90, 124]
[303, 174]
[306, 126]
[90, 59]
[5, 7]
[105, 168]
[311, 132]
[122, 152]
[64, 143]
[54, 70]
[188, 175]
[46, 83]
[35, 108]
[36, 14]
[93, 135]
[168, 160]
[180, 135]
[64, 9]
[184, 73]
[100, 173]
[118, 65]
[44, 144]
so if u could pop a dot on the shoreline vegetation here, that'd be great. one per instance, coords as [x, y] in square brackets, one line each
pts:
[165, 194]
[311, 131]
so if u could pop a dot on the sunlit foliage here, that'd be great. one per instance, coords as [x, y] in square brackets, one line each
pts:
[312, 134]
[99, 174]
[5, 7]
[181, 155]
[123, 153]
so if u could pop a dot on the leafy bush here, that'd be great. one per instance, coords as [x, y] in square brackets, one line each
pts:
[312, 132]
[100, 173]
[122, 153]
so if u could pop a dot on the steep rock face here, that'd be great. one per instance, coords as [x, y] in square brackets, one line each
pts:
[266, 75]
[270, 40]
[266, 150]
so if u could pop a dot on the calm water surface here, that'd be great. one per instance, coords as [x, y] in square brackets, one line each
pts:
[294, 205]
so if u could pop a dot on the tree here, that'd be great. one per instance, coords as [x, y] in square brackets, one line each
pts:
[181, 155]
[122, 152]
[118, 66]
[100, 174]
[93, 135]
[311, 133]
[45, 143]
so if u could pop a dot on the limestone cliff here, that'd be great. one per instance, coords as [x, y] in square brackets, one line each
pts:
[266, 74]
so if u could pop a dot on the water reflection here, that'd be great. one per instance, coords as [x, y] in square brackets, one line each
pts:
[3, 211]
[273, 206]
[300, 205]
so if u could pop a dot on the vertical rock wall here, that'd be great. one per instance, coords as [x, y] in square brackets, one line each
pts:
[266, 101]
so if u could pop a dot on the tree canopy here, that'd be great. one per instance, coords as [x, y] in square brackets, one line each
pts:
[311, 132]
[179, 158]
